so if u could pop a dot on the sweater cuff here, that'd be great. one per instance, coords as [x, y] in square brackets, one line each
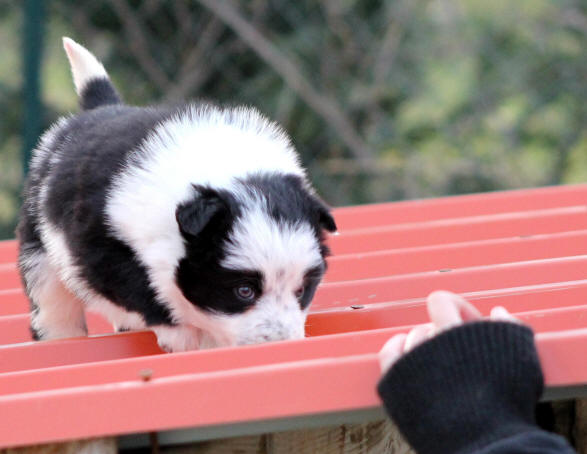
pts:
[465, 388]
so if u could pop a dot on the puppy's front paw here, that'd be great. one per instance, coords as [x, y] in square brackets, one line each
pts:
[180, 338]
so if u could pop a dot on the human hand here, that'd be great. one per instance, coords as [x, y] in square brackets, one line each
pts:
[446, 310]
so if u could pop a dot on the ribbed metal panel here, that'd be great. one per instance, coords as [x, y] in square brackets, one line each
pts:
[525, 250]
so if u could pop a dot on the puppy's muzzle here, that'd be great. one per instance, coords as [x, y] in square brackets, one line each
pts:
[271, 331]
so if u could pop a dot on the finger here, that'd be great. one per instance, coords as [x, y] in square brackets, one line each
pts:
[500, 313]
[447, 309]
[442, 309]
[417, 335]
[467, 310]
[391, 351]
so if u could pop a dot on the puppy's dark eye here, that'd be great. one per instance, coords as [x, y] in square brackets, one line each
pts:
[245, 293]
[300, 292]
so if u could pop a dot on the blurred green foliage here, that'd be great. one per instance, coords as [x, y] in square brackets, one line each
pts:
[397, 99]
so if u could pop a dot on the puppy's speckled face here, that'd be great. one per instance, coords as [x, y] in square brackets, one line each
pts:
[254, 267]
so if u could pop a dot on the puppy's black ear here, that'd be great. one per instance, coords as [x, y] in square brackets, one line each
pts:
[325, 219]
[196, 214]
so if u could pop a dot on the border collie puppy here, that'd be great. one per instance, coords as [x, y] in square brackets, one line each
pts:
[195, 221]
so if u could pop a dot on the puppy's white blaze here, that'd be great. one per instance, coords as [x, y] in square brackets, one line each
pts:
[84, 66]
[204, 146]
[282, 251]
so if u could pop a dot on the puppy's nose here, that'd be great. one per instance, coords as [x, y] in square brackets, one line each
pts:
[282, 335]
[284, 332]
[273, 331]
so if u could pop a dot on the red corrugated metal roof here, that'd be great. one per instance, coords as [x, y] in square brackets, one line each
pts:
[525, 250]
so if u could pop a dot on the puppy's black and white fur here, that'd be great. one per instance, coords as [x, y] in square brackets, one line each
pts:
[195, 221]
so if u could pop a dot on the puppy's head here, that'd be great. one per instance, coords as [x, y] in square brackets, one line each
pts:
[255, 255]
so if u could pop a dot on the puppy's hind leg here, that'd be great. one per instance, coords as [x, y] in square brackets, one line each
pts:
[55, 311]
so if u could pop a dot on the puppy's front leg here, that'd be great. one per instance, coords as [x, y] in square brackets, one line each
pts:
[179, 338]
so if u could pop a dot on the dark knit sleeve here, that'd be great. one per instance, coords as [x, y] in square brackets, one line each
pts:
[467, 389]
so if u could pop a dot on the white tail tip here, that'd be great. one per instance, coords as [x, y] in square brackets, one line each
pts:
[84, 66]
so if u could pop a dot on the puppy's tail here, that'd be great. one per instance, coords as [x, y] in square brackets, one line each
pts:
[92, 83]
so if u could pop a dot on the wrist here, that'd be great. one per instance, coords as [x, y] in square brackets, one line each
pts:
[480, 380]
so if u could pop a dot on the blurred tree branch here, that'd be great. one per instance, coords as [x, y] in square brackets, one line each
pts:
[325, 107]
[194, 71]
[134, 30]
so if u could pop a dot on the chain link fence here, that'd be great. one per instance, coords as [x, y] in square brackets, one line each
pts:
[385, 100]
